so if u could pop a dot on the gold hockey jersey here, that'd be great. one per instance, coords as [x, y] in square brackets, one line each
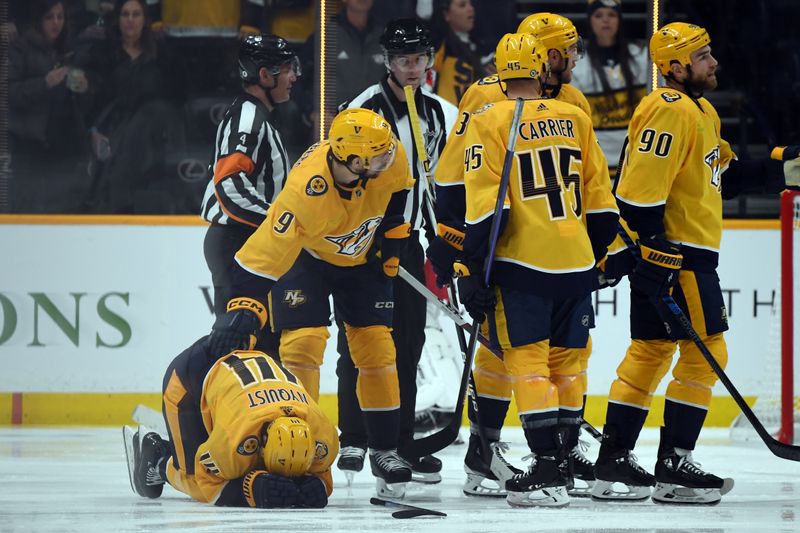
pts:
[671, 179]
[242, 392]
[333, 223]
[558, 179]
[488, 90]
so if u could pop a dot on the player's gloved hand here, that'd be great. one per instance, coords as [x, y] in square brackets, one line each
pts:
[268, 491]
[232, 330]
[478, 299]
[657, 272]
[311, 492]
[395, 238]
[790, 155]
[443, 251]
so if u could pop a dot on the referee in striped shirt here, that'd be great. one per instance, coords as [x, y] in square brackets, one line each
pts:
[250, 163]
[408, 55]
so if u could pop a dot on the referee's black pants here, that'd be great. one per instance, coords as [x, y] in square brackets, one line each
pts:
[220, 245]
[408, 332]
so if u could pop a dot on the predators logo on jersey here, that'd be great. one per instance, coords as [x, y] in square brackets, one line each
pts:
[712, 160]
[358, 240]
[316, 186]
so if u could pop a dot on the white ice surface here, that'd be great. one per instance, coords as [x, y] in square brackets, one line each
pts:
[75, 479]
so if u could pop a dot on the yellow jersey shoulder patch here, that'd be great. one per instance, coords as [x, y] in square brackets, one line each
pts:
[488, 80]
[670, 96]
[317, 186]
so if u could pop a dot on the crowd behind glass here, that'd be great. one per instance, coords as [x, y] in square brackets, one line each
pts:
[113, 106]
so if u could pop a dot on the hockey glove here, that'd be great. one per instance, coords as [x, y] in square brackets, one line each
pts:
[443, 251]
[790, 155]
[232, 330]
[266, 491]
[657, 272]
[478, 299]
[395, 238]
[311, 492]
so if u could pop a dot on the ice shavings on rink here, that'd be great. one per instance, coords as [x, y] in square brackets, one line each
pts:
[75, 479]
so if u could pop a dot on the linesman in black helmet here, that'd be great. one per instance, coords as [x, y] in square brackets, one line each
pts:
[408, 56]
[250, 163]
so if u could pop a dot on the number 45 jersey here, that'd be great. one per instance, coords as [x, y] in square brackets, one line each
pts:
[671, 178]
[562, 214]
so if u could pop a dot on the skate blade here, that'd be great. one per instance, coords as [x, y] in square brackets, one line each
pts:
[390, 490]
[127, 439]
[349, 474]
[582, 489]
[615, 491]
[426, 478]
[479, 485]
[667, 493]
[546, 497]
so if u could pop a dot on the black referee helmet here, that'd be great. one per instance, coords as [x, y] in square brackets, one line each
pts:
[264, 51]
[406, 36]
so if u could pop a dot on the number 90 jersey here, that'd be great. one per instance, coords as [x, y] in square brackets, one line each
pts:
[559, 180]
[671, 178]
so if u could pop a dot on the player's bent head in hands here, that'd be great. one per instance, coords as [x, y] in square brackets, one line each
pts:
[289, 448]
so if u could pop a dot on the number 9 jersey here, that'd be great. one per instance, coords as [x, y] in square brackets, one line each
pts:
[670, 181]
[562, 213]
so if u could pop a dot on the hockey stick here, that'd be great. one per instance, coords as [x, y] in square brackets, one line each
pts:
[407, 511]
[428, 197]
[466, 327]
[778, 448]
[147, 416]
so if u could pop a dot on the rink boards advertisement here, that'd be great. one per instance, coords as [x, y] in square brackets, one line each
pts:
[93, 309]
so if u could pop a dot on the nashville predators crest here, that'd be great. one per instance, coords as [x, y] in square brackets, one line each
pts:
[357, 241]
[712, 159]
[248, 446]
[316, 186]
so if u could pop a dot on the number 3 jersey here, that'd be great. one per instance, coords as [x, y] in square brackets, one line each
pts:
[561, 212]
[333, 223]
[671, 178]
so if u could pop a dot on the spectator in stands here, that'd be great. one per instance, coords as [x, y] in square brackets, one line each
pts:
[613, 77]
[205, 34]
[130, 133]
[47, 100]
[457, 62]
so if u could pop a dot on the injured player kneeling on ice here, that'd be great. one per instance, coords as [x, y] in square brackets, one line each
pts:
[243, 432]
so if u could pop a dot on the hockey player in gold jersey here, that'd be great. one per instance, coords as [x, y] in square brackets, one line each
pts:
[336, 229]
[243, 431]
[559, 197]
[675, 173]
[564, 47]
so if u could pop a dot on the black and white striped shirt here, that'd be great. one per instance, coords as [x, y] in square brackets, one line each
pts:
[436, 117]
[250, 166]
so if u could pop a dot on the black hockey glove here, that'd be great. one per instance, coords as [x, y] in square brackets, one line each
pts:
[232, 331]
[443, 251]
[478, 299]
[267, 491]
[396, 232]
[311, 492]
[657, 272]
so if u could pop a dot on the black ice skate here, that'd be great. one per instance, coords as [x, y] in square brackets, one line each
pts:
[680, 480]
[582, 470]
[145, 451]
[425, 469]
[618, 476]
[391, 473]
[481, 481]
[543, 485]
[351, 460]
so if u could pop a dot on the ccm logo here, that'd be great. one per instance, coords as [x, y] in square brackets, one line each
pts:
[384, 305]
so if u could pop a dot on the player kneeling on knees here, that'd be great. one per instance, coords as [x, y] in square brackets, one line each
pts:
[244, 432]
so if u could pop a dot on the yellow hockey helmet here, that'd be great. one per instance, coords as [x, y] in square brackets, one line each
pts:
[289, 448]
[675, 42]
[363, 133]
[520, 56]
[553, 31]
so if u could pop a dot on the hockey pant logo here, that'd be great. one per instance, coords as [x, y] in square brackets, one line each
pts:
[294, 298]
